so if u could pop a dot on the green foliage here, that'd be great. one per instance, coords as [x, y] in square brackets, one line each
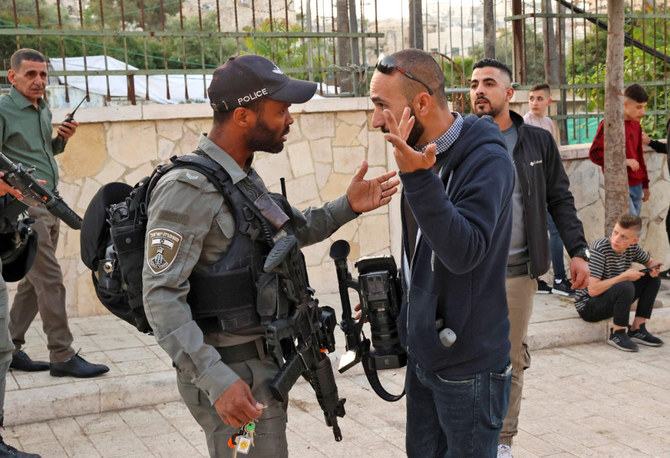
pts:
[27, 18]
[288, 52]
[154, 13]
[639, 67]
[196, 52]
[504, 52]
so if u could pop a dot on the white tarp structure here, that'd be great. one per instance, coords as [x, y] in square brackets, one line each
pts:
[118, 84]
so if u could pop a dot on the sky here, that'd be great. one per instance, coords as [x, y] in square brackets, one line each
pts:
[393, 8]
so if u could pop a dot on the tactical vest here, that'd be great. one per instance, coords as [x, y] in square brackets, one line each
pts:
[234, 293]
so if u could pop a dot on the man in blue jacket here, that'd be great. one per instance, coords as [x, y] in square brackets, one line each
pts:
[456, 219]
[541, 185]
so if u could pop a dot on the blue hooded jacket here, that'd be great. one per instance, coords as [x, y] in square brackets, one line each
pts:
[459, 267]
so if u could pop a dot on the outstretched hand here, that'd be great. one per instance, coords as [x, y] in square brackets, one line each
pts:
[365, 195]
[407, 158]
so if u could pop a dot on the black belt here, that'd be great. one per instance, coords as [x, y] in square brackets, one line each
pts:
[517, 270]
[242, 352]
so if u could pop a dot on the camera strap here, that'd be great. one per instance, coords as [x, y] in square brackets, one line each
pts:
[373, 378]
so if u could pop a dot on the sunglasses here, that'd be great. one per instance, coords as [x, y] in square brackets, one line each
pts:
[386, 64]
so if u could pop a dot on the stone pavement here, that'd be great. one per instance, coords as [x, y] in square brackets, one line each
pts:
[582, 398]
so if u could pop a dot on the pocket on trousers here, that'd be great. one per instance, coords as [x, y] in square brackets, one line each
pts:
[499, 391]
[189, 392]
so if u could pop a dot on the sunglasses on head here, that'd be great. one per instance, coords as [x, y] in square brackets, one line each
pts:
[386, 64]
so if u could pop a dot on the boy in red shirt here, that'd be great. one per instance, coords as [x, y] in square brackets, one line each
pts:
[635, 101]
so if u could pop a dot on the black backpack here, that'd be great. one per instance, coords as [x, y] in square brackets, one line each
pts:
[113, 232]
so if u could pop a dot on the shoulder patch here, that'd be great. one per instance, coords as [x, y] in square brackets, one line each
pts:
[193, 178]
[162, 248]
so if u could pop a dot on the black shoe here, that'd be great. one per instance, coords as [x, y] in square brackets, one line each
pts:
[644, 337]
[22, 362]
[9, 451]
[563, 287]
[77, 367]
[542, 287]
[665, 275]
[619, 339]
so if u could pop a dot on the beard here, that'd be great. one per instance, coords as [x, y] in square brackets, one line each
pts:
[415, 133]
[262, 138]
[489, 109]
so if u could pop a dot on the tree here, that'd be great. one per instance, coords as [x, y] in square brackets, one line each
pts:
[287, 52]
[505, 52]
[155, 12]
[616, 179]
[194, 52]
[589, 67]
[27, 17]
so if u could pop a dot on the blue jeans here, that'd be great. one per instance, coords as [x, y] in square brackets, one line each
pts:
[556, 248]
[635, 195]
[455, 417]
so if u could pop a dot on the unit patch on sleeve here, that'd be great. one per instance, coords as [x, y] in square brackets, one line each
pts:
[162, 248]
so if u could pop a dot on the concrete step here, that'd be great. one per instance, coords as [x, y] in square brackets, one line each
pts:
[141, 374]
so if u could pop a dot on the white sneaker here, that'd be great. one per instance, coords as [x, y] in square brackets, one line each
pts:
[504, 451]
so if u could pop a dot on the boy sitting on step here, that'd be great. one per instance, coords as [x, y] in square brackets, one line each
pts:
[614, 286]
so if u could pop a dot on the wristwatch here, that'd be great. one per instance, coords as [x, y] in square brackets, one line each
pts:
[583, 253]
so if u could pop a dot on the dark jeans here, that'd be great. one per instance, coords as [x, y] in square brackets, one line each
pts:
[556, 248]
[457, 417]
[615, 302]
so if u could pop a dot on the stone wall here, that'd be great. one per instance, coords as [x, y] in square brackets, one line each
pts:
[328, 141]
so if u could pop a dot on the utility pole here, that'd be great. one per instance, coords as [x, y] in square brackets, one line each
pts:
[344, 79]
[489, 29]
[415, 25]
[519, 45]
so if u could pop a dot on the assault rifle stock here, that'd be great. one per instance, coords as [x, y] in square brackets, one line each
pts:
[301, 340]
[35, 193]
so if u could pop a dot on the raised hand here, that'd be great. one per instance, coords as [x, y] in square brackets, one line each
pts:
[407, 158]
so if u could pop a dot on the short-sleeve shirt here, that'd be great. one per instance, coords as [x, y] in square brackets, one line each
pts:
[605, 263]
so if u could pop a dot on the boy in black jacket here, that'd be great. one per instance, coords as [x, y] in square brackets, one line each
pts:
[541, 185]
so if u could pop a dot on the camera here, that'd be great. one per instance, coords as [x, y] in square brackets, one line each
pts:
[380, 291]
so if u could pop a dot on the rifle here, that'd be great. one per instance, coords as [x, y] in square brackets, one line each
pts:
[35, 193]
[301, 339]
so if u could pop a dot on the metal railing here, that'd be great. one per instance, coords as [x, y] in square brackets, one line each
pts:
[133, 51]
[155, 43]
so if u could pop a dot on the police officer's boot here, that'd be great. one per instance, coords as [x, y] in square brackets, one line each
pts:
[7, 450]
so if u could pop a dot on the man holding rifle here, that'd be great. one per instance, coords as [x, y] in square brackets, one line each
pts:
[207, 293]
[25, 137]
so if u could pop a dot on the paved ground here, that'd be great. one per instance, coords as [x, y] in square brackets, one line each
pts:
[587, 399]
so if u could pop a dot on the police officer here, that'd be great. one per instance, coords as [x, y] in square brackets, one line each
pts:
[6, 344]
[204, 255]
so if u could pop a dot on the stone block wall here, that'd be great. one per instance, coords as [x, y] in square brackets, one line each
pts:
[328, 141]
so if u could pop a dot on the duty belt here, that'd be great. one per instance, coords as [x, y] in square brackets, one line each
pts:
[242, 352]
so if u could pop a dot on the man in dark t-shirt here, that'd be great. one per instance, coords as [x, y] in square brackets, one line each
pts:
[614, 285]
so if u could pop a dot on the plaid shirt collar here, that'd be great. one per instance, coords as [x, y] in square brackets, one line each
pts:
[448, 138]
